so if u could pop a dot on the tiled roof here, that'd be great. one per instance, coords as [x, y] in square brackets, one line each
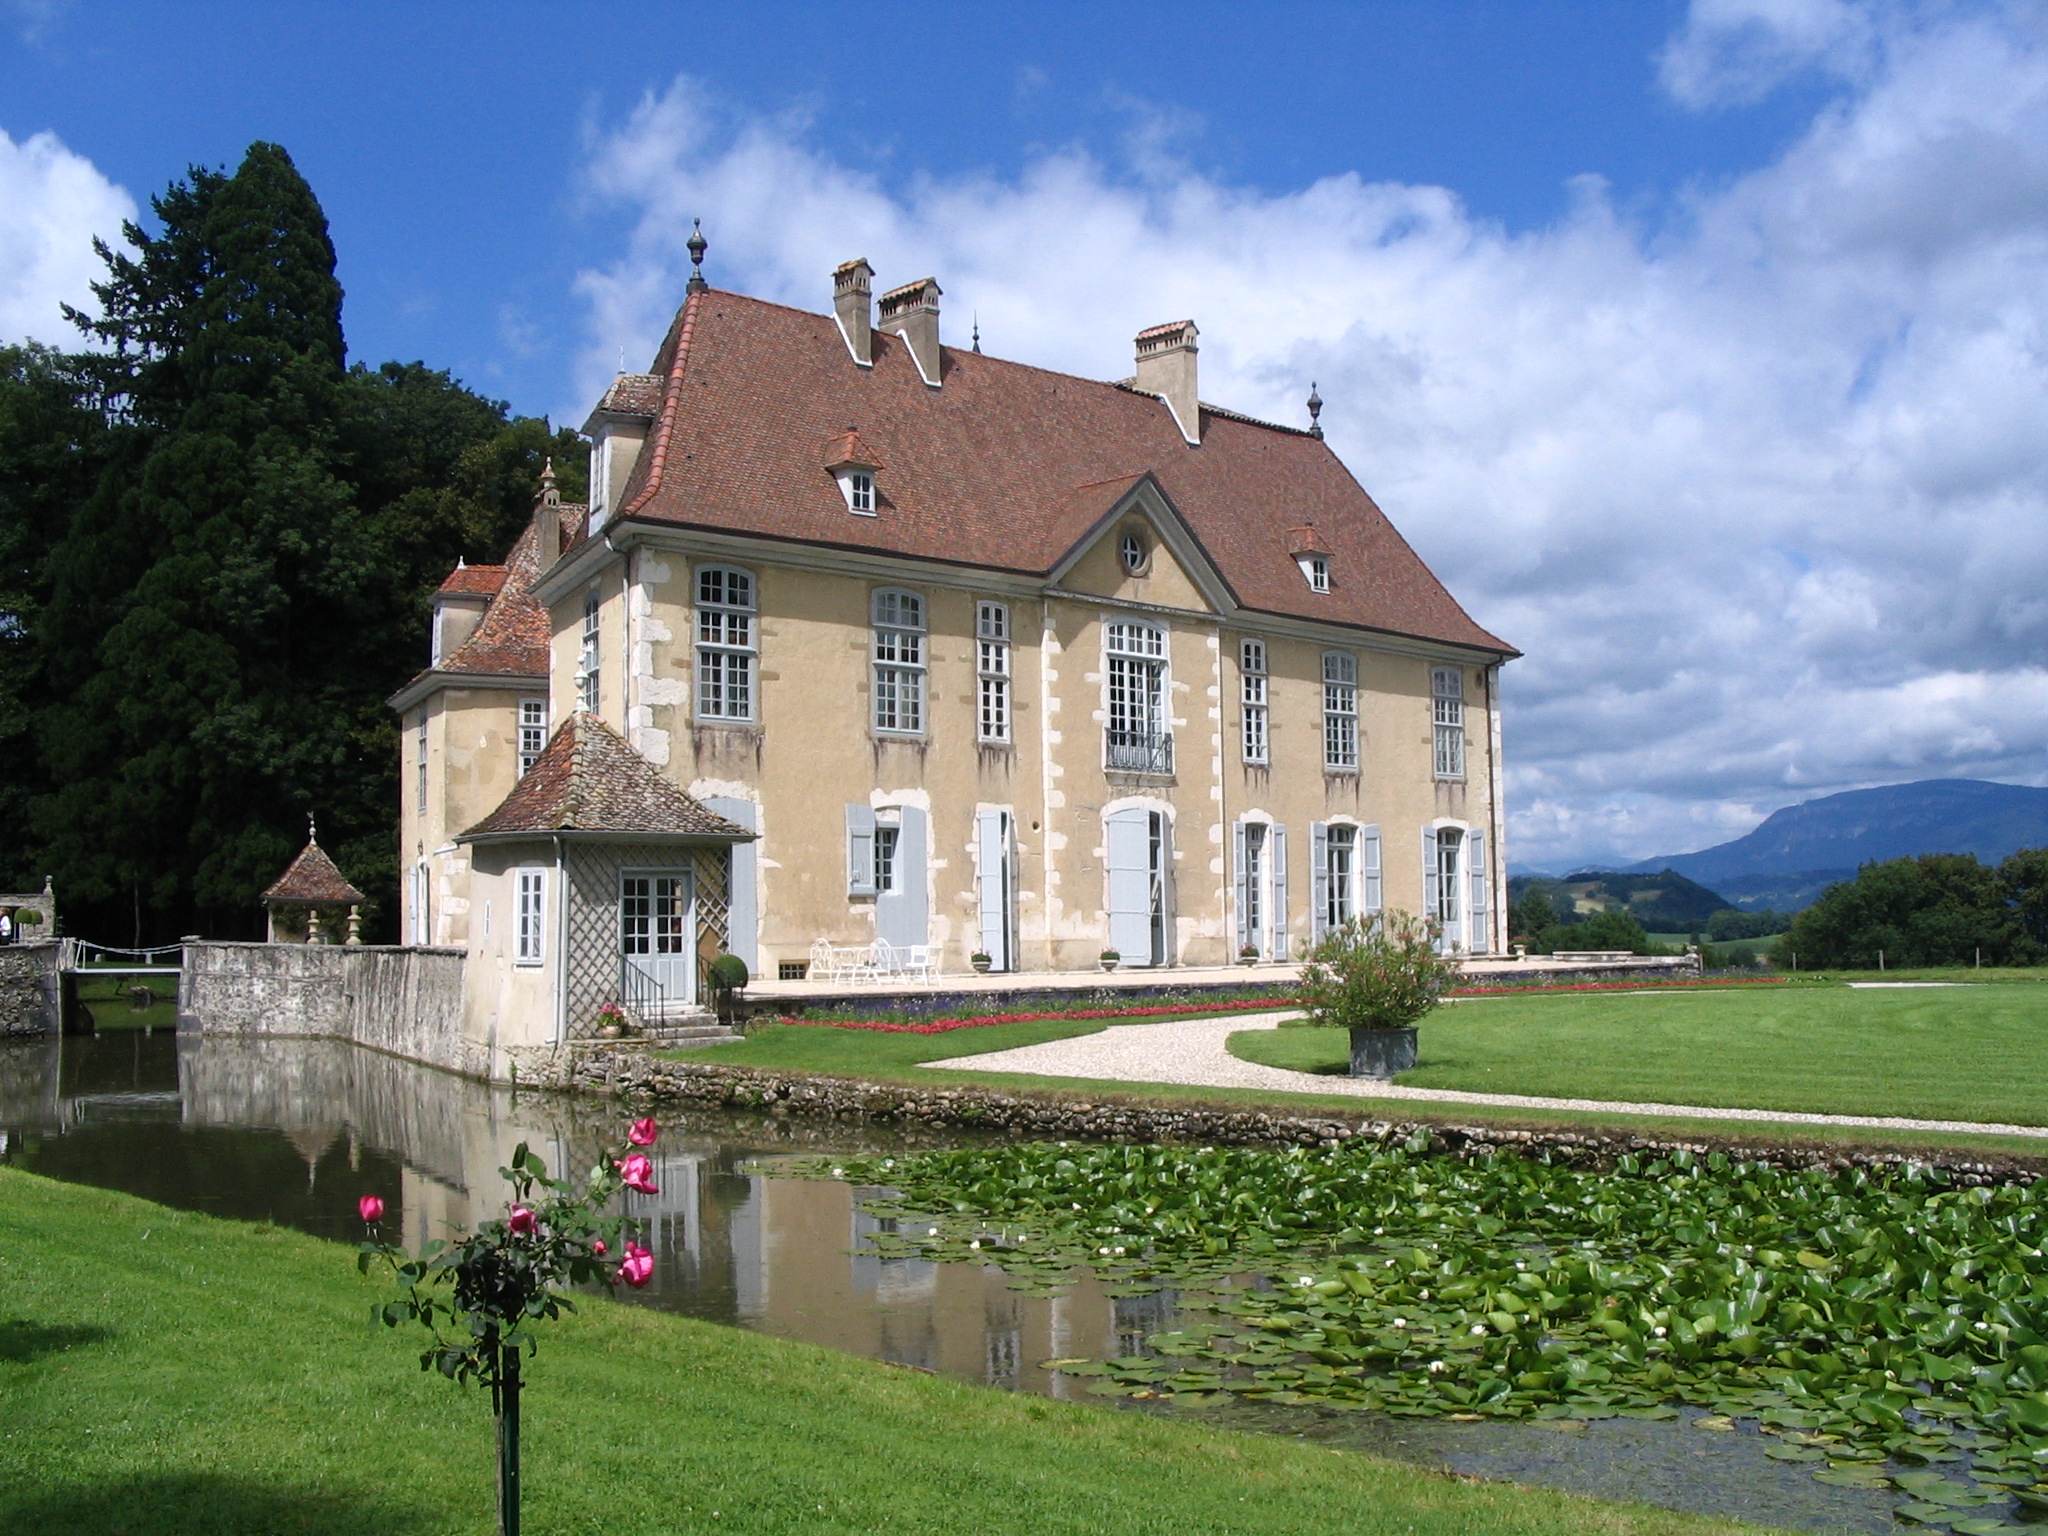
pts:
[313, 879]
[633, 394]
[474, 580]
[589, 781]
[512, 638]
[1004, 467]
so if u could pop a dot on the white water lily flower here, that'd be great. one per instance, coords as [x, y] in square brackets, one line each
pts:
[1479, 1330]
[975, 1244]
[838, 1173]
[931, 1231]
[1379, 1231]
[1520, 1265]
[1658, 1331]
[1400, 1322]
[1119, 1250]
[1436, 1367]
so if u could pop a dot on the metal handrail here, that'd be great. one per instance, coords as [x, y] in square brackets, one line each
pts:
[1138, 751]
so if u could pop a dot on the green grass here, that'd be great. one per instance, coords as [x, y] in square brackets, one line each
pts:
[1978, 1054]
[165, 1372]
[110, 1002]
[878, 1056]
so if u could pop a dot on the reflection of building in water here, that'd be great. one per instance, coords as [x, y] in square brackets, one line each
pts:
[1134, 1319]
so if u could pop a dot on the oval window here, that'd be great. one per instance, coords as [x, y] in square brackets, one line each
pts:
[1133, 549]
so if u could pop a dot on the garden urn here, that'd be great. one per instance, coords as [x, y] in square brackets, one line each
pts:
[1380, 1053]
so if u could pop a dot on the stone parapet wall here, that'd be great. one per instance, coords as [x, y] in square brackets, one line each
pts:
[29, 988]
[636, 1076]
[403, 1001]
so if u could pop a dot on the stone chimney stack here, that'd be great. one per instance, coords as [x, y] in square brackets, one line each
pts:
[852, 283]
[1166, 368]
[912, 312]
[547, 530]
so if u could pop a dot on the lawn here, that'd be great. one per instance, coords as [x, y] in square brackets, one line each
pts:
[166, 1372]
[920, 1060]
[1976, 1053]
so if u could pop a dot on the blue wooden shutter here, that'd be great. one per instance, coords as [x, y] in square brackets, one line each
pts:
[1128, 843]
[1371, 898]
[1276, 858]
[1429, 903]
[743, 892]
[1476, 937]
[903, 914]
[1318, 880]
[996, 895]
[1241, 889]
[860, 850]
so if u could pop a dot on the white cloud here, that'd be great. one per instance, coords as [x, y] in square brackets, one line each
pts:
[52, 203]
[1764, 496]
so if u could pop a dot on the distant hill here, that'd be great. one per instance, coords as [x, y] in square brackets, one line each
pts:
[1663, 903]
[1830, 838]
[1782, 893]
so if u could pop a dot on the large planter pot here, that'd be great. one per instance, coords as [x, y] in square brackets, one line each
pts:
[1380, 1053]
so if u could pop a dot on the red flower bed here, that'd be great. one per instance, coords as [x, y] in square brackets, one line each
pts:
[1186, 1010]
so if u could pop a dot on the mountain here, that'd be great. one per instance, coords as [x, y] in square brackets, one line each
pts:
[1781, 893]
[1663, 902]
[1837, 834]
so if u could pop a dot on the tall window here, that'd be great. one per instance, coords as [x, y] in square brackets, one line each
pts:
[899, 661]
[529, 941]
[1252, 675]
[533, 732]
[885, 857]
[420, 756]
[1449, 840]
[725, 644]
[860, 492]
[1340, 849]
[1138, 739]
[1447, 690]
[992, 665]
[1340, 711]
[587, 660]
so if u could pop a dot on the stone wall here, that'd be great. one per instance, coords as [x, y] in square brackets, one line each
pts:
[28, 988]
[402, 1001]
[1054, 1116]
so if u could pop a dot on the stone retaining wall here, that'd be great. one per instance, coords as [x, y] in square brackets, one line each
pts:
[633, 1075]
[28, 988]
[403, 1001]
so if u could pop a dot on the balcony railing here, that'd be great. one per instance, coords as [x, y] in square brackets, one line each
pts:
[1138, 751]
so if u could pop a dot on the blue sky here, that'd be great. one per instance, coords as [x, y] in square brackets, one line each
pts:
[1700, 345]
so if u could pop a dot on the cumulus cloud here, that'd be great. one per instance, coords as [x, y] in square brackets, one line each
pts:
[1763, 493]
[54, 201]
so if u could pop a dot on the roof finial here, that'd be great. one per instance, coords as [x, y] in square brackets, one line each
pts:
[697, 245]
[312, 832]
[1315, 411]
[977, 330]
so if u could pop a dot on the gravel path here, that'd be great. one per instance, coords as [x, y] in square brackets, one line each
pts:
[1191, 1051]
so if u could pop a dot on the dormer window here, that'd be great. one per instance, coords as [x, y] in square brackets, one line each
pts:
[1132, 550]
[1317, 569]
[859, 488]
[1312, 554]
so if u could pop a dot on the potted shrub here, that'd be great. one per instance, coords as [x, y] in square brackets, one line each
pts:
[1249, 955]
[1110, 959]
[1376, 979]
[611, 1022]
[728, 975]
[980, 962]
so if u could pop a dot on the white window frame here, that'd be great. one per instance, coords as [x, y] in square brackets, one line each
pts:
[727, 643]
[1255, 737]
[589, 657]
[1447, 714]
[1342, 900]
[420, 752]
[1133, 553]
[897, 618]
[888, 847]
[530, 908]
[1315, 570]
[857, 486]
[992, 672]
[1340, 712]
[533, 733]
[1136, 687]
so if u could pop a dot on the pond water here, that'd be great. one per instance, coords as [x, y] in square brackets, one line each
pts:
[294, 1131]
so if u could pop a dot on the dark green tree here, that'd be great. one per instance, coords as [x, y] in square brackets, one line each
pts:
[1531, 912]
[1937, 909]
[1612, 929]
[2023, 879]
[246, 578]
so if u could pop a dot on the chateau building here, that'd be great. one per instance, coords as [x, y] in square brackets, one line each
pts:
[864, 638]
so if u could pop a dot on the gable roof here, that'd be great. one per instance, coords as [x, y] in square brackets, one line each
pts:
[313, 880]
[590, 781]
[473, 581]
[1004, 467]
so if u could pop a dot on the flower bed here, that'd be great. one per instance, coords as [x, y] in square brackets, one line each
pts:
[942, 1026]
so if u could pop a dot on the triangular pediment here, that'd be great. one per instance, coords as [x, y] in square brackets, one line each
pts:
[1134, 517]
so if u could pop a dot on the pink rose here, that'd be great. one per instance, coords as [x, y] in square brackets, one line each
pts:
[638, 1173]
[598, 1248]
[643, 1132]
[372, 1209]
[523, 1221]
[638, 1267]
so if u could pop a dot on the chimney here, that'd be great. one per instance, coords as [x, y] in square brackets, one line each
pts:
[1166, 368]
[547, 521]
[850, 289]
[912, 312]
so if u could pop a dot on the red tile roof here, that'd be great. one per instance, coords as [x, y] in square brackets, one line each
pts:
[1005, 467]
[512, 638]
[590, 781]
[633, 394]
[474, 580]
[313, 880]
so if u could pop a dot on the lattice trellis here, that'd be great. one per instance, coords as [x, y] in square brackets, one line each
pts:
[592, 891]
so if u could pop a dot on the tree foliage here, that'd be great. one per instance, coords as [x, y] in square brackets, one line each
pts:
[1937, 909]
[201, 617]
